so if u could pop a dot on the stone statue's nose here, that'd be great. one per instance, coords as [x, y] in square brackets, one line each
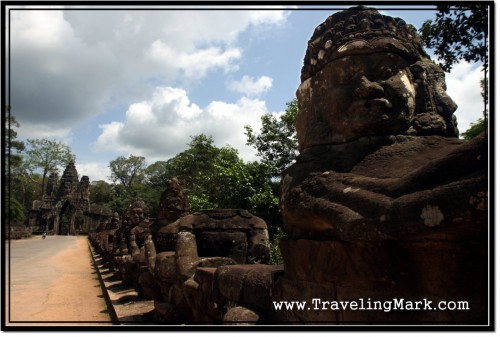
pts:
[368, 89]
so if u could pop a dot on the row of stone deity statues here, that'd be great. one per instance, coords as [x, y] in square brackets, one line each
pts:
[174, 257]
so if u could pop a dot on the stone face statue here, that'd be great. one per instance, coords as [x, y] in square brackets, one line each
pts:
[379, 154]
[85, 188]
[51, 184]
[367, 74]
[139, 220]
[173, 202]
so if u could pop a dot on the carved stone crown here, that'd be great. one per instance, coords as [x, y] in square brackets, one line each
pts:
[360, 27]
[139, 203]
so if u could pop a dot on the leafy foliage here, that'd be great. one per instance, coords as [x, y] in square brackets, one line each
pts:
[475, 129]
[13, 147]
[48, 155]
[214, 177]
[101, 192]
[15, 211]
[277, 142]
[276, 257]
[127, 171]
[458, 32]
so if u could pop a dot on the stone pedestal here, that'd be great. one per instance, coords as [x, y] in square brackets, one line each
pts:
[383, 282]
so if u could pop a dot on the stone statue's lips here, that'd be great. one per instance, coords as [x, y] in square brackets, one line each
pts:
[383, 44]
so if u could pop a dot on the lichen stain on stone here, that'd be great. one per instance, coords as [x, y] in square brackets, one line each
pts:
[478, 201]
[431, 215]
[350, 190]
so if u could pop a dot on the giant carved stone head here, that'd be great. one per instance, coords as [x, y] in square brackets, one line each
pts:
[379, 153]
[367, 74]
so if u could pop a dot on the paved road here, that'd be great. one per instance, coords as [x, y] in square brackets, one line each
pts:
[52, 280]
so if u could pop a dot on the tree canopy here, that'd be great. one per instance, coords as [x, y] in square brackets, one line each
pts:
[48, 155]
[458, 32]
[277, 141]
[127, 171]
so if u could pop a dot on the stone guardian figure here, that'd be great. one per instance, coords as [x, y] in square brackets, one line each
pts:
[384, 200]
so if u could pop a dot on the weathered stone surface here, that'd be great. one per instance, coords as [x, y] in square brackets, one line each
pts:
[365, 73]
[423, 266]
[186, 255]
[221, 219]
[408, 187]
[248, 284]
[165, 268]
[173, 202]
[379, 154]
[149, 286]
[200, 295]
[258, 246]
[138, 262]
[297, 291]
[228, 244]
[205, 241]
[240, 315]
[383, 201]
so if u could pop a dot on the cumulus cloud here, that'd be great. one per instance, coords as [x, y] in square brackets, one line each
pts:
[94, 170]
[195, 64]
[160, 127]
[54, 81]
[250, 86]
[463, 86]
[68, 66]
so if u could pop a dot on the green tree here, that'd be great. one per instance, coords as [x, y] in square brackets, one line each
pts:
[48, 155]
[475, 129]
[155, 174]
[128, 171]
[101, 192]
[15, 212]
[277, 145]
[25, 186]
[277, 142]
[13, 147]
[458, 32]
[14, 169]
[215, 177]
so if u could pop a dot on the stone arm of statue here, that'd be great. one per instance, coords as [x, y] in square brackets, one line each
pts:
[150, 252]
[187, 258]
[135, 251]
[350, 205]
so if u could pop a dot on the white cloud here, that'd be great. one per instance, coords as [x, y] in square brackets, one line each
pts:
[160, 127]
[194, 65]
[68, 66]
[251, 87]
[463, 86]
[43, 29]
[32, 131]
[94, 170]
[276, 17]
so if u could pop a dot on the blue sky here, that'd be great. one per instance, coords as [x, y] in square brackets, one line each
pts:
[139, 81]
